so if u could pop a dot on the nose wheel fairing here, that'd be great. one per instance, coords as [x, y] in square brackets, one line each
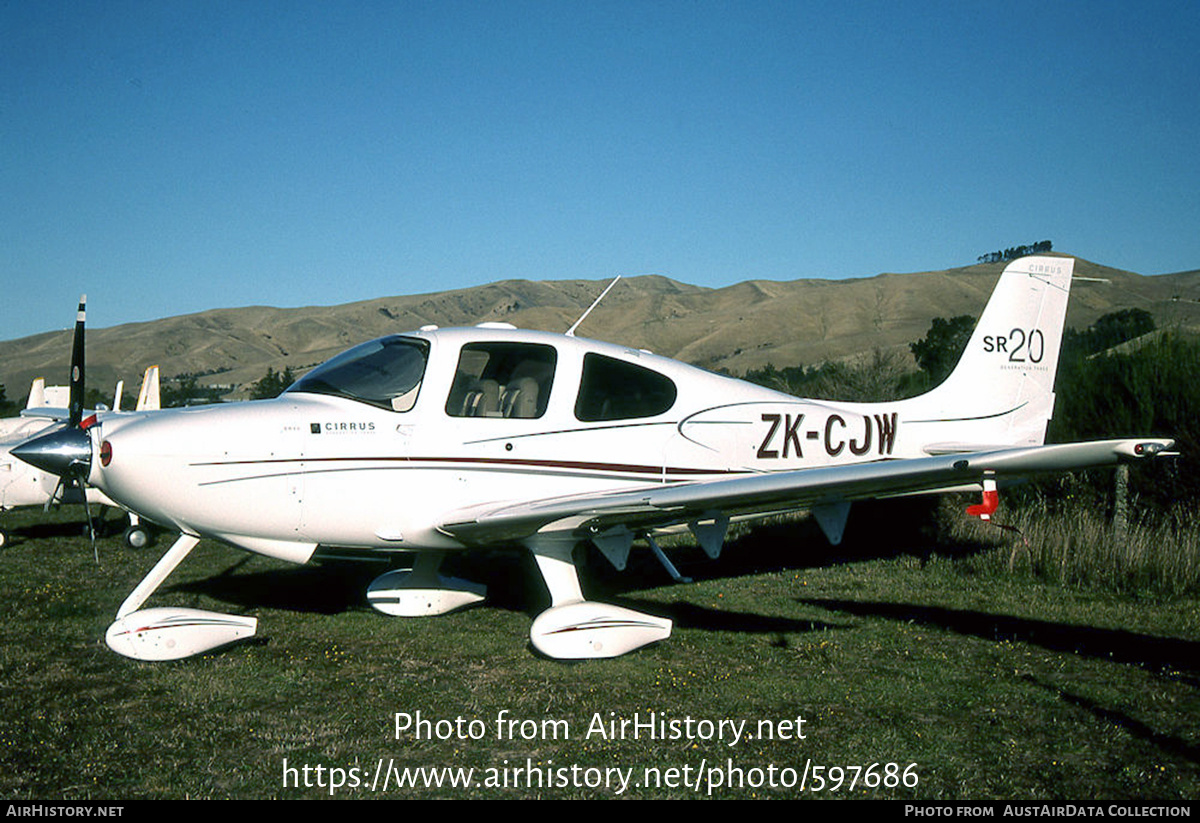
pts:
[171, 632]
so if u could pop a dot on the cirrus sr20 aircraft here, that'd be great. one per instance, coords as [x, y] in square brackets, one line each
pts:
[441, 440]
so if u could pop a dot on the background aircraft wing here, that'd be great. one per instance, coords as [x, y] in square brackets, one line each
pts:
[46, 413]
[643, 508]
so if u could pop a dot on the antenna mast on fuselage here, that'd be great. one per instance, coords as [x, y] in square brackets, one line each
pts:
[596, 302]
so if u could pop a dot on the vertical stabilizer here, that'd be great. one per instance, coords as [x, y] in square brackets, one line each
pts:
[1001, 392]
[148, 397]
[37, 394]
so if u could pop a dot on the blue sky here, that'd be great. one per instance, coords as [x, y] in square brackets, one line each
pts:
[171, 157]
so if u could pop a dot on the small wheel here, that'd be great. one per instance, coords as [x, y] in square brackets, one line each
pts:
[137, 537]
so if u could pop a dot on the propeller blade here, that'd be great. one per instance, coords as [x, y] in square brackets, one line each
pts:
[53, 499]
[68, 452]
[87, 508]
[75, 406]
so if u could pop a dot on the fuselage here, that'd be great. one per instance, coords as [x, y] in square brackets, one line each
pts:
[374, 448]
[20, 483]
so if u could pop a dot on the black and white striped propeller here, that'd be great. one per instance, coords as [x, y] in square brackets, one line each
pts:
[67, 452]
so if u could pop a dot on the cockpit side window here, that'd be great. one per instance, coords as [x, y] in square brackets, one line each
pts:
[502, 380]
[386, 373]
[612, 389]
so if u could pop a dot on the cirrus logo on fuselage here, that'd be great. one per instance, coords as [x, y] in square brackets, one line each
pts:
[341, 428]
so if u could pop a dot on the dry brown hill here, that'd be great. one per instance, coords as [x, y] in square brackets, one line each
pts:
[739, 327]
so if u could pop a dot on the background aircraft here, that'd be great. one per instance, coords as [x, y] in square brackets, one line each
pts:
[441, 440]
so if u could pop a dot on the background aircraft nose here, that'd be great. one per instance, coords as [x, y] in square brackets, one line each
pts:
[61, 452]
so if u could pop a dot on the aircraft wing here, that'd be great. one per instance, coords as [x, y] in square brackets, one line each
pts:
[660, 506]
[46, 413]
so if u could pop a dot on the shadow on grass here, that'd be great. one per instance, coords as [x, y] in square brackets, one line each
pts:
[877, 529]
[1166, 742]
[326, 589]
[59, 525]
[1170, 657]
[335, 586]
[512, 580]
[691, 616]
[44, 531]
[514, 583]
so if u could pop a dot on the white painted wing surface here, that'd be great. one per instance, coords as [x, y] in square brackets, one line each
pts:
[671, 504]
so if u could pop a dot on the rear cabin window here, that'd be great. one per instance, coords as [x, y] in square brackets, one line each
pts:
[502, 380]
[612, 389]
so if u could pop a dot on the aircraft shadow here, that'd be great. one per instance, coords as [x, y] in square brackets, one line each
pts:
[789, 544]
[1167, 742]
[70, 528]
[691, 616]
[335, 586]
[327, 589]
[514, 583]
[1169, 657]
[512, 580]
[43, 531]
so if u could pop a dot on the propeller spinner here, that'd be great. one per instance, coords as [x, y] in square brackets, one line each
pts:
[66, 452]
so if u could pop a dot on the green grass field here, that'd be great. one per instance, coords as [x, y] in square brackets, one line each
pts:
[914, 678]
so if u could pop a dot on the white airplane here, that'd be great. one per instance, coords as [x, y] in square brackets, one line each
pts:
[441, 440]
[49, 409]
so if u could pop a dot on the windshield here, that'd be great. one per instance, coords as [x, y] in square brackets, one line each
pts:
[386, 373]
